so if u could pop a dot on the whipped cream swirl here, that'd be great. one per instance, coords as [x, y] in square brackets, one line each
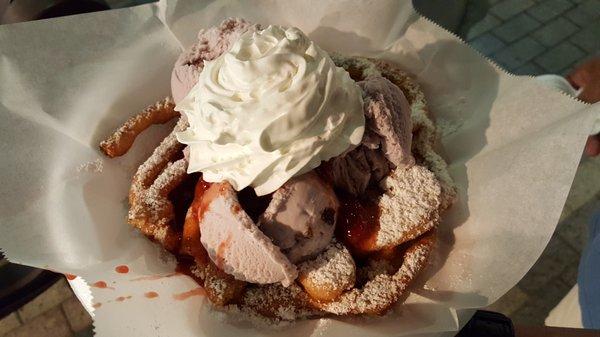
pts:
[274, 106]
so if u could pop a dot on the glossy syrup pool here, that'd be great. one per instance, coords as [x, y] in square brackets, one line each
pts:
[358, 221]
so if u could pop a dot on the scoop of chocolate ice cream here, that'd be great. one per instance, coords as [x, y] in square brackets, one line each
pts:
[386, 143]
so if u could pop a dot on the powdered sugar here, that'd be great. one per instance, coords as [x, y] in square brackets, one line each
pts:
[374, 268]
[217, 286]
[150, 210]
[122, 139]
[382, 291]
[95, 166]
[424, 130]
[235, 314]
[358, 67]
[332, 268]
[409, 207]
[277, 302]
[160, 233]
[198, 272]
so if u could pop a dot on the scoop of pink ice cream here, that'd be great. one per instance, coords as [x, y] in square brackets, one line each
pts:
[387, 115]
[236, 245]
[301, 217]
[386, 143]
[211, 44]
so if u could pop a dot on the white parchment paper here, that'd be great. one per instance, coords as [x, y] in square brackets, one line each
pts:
[513, 148]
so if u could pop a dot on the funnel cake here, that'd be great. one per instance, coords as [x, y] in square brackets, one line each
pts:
[364, 234]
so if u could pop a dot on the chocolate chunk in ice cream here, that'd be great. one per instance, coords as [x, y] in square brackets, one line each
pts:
[386, 143]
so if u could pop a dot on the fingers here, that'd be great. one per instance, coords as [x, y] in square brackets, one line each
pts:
[590, 94]
[587, 77]
[592, 147]
[577, 78]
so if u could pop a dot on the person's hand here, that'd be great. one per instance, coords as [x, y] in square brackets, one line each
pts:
[592, 146]
[587, 77]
